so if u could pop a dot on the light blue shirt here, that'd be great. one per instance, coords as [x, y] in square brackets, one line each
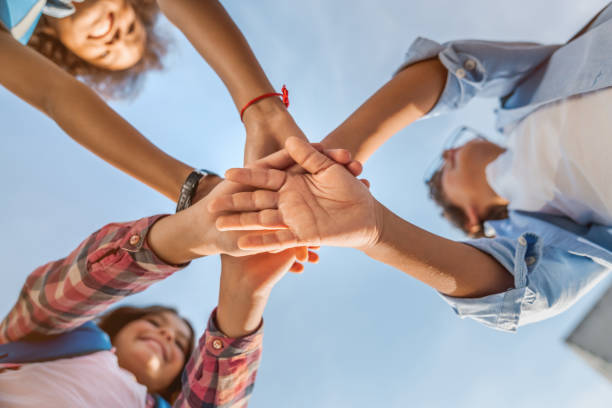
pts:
[20, 17]
[553, 260]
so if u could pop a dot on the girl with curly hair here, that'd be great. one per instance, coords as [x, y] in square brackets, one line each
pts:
[108, 43]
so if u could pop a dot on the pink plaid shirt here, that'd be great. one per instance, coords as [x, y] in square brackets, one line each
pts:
[109, 265]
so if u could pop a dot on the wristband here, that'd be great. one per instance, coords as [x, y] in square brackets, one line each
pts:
[190, 186]
[284, 95]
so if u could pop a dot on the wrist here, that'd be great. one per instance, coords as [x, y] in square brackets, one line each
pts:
[378, 234]
[240, 309]
[264, 112]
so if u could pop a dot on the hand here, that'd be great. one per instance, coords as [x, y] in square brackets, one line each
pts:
[191, 233]
[268, 125]
[246, 284]
[205, 186]
[327, 206]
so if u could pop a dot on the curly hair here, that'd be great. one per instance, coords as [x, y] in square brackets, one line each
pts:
[122, 84]
[455, 214]
[113, 321]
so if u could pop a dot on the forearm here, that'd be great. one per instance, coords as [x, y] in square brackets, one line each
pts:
[86, 118]
[109, 265]
[450, 267]
[93, 124]
[407, 97]
[215, 36]
[240, 311]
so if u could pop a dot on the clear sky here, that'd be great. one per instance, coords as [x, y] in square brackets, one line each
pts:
[349, 332]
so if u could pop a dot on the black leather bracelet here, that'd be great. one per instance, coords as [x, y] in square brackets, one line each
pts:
[189, 188]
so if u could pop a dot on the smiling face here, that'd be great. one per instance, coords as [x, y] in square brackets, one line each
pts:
[154, 349]
[105, 33]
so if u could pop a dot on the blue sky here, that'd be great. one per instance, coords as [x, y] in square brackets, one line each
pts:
[349, 332]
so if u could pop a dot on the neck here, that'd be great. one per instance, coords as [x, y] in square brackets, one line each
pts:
[492, 198]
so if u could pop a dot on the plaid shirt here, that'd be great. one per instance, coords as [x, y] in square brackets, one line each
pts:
[109, 265]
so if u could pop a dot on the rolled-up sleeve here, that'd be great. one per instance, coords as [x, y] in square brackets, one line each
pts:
[547, 281]
[477, 68]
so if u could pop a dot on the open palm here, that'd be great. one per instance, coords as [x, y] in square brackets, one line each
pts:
[326, 206]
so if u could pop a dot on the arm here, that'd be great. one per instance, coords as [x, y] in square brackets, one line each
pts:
[435, 79]
[404, 99]
[215, 36]
[109, 265]
[450, 267]
[331, 207]
[222, 370]
[81, 113]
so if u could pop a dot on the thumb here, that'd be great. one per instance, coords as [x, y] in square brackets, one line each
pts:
[309, 158]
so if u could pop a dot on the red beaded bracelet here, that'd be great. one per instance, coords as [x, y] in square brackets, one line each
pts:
[284, 94]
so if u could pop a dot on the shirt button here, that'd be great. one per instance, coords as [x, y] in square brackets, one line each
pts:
[469, 64]
[460, 73]
[217, 344]
[134, 240]
[530, 260]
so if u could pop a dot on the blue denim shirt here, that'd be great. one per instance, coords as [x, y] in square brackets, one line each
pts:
[553, 260]
[525, 76]
[21, 16]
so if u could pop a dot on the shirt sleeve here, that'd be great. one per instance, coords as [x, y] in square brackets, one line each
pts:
[221, 371]
[109, 265]
[478, 68]
[547, 281]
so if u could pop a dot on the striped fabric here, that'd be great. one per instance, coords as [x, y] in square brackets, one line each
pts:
[109, 265]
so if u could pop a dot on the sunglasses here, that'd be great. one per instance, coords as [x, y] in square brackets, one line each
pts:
[457, 138]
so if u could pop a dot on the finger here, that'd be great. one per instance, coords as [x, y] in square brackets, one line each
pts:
[248, 221]
[301, 254]
[365, 182]
[245, 201]
[268, 240]
[307, 156]
[355, 167]
[277, 160]
[268, 179]
[341, 156]
[297, 267]
[280, 160]
[313, 257]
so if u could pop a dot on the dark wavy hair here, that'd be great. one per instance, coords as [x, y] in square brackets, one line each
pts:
[122, 84]
[455, 214]
[113, 321]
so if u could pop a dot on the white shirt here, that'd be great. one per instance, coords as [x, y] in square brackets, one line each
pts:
[93, 380]
[559, 160]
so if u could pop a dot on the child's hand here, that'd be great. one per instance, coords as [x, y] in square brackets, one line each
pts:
[326, 206]
[246, 284]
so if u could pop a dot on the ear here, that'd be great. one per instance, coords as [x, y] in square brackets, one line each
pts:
[473, 220]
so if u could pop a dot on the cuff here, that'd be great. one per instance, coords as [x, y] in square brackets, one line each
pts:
[502, 311]
[221, 346]
[134, 241]
[465, 72]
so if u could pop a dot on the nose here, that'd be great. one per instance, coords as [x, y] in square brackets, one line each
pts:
[116, 37]
[167, 334]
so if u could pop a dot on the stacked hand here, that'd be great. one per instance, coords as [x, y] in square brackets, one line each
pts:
[325, 206]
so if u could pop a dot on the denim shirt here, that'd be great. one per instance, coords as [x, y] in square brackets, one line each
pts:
[525, 76]
[553, 260]
[20, 17]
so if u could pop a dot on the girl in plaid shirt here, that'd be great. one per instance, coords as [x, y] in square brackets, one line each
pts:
[151, 346]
